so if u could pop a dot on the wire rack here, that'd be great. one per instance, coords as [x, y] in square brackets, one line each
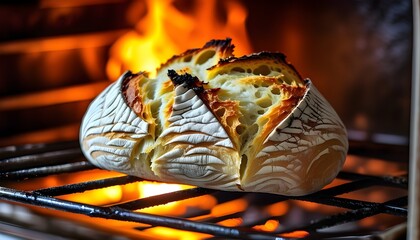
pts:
[23, 164]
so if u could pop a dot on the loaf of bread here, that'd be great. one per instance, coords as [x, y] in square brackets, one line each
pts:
[217, 121]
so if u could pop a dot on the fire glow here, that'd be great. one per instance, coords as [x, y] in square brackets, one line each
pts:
[149, 189]
[166, 31]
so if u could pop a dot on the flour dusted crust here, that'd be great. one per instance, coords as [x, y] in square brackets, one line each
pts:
[214, 120]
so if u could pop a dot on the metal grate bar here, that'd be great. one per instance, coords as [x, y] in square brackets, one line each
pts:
[38, 160]
[395, 181]
[344, 188]
[41, 159]
[319, 197]
[85, 186]
[352, 204]
[45, 171]
[327, 197]
[164, 198]
[29, 149]
[125, 215]
[349, 216]
[44, 160]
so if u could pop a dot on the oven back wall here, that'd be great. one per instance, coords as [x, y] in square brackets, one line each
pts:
[52, 63]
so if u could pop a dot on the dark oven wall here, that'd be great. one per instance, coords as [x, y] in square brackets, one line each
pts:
[52, 63]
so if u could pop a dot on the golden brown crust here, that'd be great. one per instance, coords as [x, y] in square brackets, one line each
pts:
[291, 97]
[135, 96]
[261, 63]
[226, 111]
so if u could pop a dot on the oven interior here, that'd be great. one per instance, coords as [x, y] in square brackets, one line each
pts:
[57, 56]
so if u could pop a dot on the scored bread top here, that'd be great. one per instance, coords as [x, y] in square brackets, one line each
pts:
[214, 120]
[249, 95]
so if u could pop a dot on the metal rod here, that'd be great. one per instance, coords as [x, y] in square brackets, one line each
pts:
[131, 205]
[41, 159]
[348, 216]
[33, 148]
[125, 215]
[357, 204]
[344, 188]
[85, 186]
[397, 181]
[328, 197]
[45, 171]
[164, 198]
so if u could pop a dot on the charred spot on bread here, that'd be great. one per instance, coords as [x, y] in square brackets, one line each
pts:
[221, 48]
[192, 82]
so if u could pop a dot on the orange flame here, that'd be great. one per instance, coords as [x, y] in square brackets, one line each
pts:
[296, 234]
[269, 226]
[148, 189]
[170, 233]
[166, 31]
